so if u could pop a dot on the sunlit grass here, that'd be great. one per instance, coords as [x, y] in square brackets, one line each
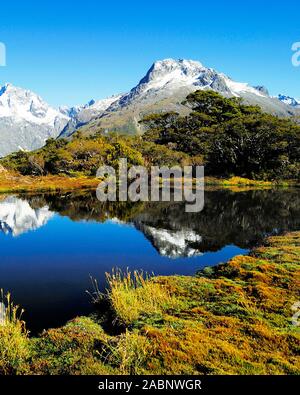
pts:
[14, 343]
[135, 294]
[10, 182]
[235, 318]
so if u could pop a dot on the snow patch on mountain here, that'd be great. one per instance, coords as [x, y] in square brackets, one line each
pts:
[24, 105]
[73, 111]
[26, 121]
[290, 101]
[167, 77]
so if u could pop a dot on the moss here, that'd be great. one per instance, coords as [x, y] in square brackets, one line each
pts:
[74, 349]
[231, 319]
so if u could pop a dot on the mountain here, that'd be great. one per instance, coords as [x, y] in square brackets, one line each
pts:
[26, 121]
[72, 112]
[81, 115]
[166, 85]
[290, 101]
[172, 243]
[18, 217]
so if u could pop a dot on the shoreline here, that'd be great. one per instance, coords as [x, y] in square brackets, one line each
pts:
[10, 183]
[234, 318]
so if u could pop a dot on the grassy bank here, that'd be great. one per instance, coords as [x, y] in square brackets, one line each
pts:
[14, 182]
[235, 318]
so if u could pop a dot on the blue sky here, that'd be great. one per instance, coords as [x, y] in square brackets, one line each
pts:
[70, 52]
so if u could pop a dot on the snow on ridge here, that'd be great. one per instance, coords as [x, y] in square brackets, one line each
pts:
[24, 105]
[288, 100]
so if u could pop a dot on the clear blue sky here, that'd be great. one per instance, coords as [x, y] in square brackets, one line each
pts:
[70, 52]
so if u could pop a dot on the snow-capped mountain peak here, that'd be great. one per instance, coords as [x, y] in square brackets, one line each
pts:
[176, 77]
[170, 73]
[290, 101]
[73, 111]
[167, 84]
[26, 105]
[26, 120]
[170, 70]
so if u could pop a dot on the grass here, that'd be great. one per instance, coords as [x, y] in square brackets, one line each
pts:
[13, 182]
[133, 295]
[241, 182]
[235, 318]
[14, 343]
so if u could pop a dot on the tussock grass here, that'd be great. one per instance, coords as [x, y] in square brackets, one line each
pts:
[14, 182]
[135, 294]
[14, 344]
[130, 353]
[234, 318]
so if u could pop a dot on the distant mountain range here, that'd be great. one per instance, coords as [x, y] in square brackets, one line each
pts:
[26, 121]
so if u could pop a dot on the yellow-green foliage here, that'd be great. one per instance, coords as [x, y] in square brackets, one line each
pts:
[14, 344]
[234, 318]
[78, 157]
[130, 353]
[245, 182]
[133, 295]
[74, 349]
[11, 181]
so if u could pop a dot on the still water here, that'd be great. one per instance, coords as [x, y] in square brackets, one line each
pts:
[50, 245]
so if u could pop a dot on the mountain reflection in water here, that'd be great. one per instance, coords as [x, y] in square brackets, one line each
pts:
[242, 219]
[51, 243]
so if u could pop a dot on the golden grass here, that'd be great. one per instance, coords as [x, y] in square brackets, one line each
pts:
[13, 182]
[241, 183]
[133, 295]
[14, 343]
[231, 319]
[235, 318]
